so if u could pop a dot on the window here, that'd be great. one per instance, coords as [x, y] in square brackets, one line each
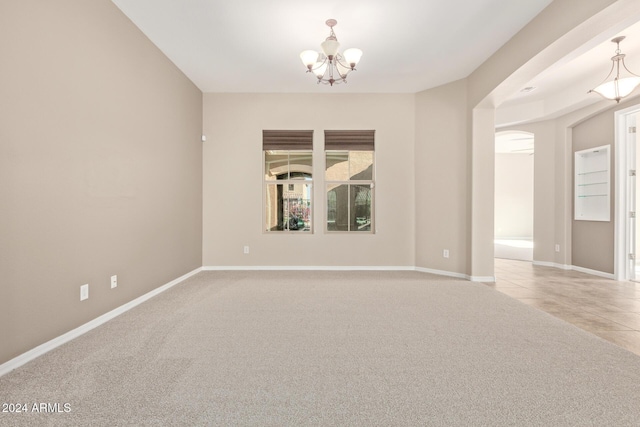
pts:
[349, 179]
[288, 180]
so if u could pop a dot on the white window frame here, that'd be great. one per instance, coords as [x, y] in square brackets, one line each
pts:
[349, 184]
[285, 184]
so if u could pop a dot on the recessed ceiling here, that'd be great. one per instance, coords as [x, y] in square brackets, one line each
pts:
[563, 87]
[253, 45]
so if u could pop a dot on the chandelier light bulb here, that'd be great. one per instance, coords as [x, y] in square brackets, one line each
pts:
[342, 70]
[320, 68]
[330, 66]
[617, 88]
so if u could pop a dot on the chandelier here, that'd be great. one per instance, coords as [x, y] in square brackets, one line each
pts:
[330, 66]
[617, 88]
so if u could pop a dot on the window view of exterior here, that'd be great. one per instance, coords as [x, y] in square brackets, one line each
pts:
[349, 178]
[288, 190]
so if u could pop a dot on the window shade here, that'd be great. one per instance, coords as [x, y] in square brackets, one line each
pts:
[287, 139]
[362, 140]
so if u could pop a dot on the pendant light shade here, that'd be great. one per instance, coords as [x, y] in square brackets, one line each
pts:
[614, 86]
[617, 88]
[309, 58]
[330, 47]
[352, 56]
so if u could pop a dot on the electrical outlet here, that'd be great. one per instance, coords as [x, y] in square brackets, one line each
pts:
[246, 250]
[114, 281]
[84, 292]
[445, 253]
[557, 247]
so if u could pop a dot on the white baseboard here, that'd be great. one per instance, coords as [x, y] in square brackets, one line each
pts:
[349, 268]
[62, 339]
[575, 268]
[553, 264]
[307, 268]
[489, 279]
[442, 272]
[593, 272]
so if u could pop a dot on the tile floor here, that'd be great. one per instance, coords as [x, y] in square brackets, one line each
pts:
[607, 308]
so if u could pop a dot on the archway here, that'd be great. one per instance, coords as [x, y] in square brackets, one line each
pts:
[513, 203]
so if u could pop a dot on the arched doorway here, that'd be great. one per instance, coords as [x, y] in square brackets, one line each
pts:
[513, 211]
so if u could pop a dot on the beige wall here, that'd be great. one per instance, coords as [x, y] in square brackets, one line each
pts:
[100, 167]
[544, 191]
[546, 180]
[593, 241]
[465, 110]
[564, 127]
[233, 176]
[584, 244]
[442, 178]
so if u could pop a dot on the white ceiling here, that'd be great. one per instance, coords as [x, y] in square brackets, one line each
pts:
[252, 46]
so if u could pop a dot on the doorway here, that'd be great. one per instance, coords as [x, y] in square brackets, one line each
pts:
[513, 226]
[627, 195]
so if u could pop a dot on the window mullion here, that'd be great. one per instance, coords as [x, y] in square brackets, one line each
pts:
[349, 206]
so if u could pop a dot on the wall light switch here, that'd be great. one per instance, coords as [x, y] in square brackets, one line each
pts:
[84, 292]
[114, 281]
[445, 253]
[246, 249]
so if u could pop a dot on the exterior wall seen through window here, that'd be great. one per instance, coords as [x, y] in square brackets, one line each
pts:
[288, 190]
[349, 178]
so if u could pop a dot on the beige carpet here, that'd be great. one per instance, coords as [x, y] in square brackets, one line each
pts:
[330, 348]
